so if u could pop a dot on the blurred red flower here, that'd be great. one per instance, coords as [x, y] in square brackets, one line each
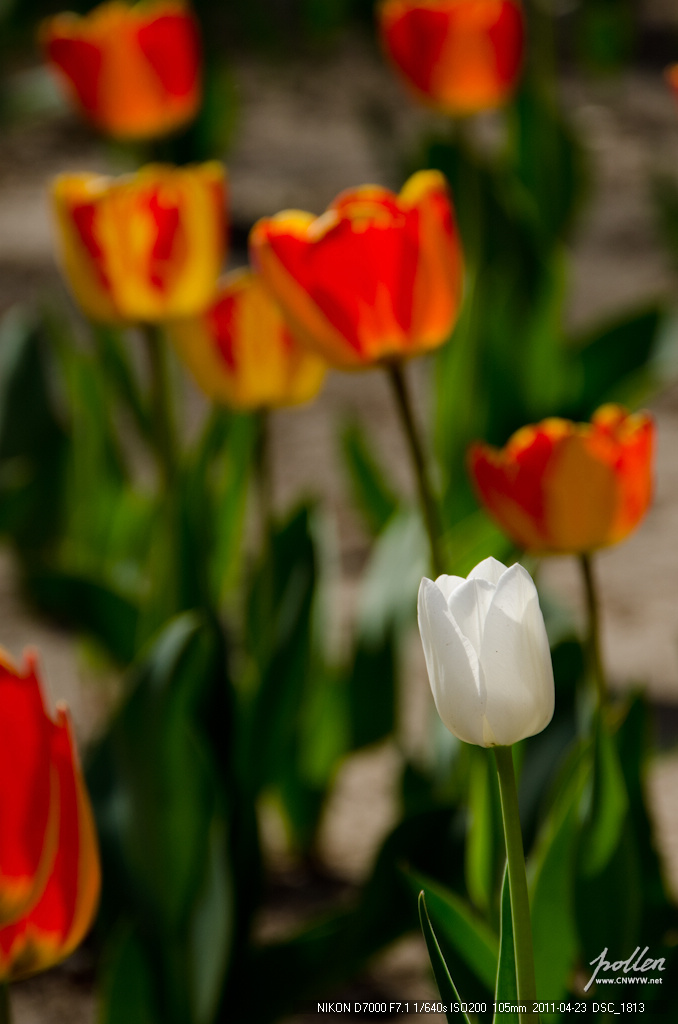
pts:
[377, 277]
[241, 352]
[569, 488]
[144, 247]
[49, 862]
[462, 56]
[134, 72]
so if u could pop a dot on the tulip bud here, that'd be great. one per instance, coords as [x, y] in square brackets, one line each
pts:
[487, 654]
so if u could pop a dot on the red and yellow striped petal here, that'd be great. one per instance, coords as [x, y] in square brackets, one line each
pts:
[562, 487]
[133, 71]
[63, 913]
[376, 277]
[461, 56]
[146, 247]
[241, 352]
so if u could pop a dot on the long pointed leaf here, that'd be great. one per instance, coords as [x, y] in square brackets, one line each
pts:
[444, 982]
[461, 930]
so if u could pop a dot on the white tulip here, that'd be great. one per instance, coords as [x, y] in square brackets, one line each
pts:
[487, 654]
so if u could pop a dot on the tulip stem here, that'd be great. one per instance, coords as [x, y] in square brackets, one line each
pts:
[5, 1010]
[595, 657]
[161, 405]
[264, 475]
[428, 502]
[520, 903]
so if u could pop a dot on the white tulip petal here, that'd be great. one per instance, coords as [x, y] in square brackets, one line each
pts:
[452, 664]
[469, 605]
[516, 660]
[489, 569]
[448, 584]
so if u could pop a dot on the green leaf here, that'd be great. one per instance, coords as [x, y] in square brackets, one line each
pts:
[372, 690]
[506, 988]
[325, 727]
[633, 744]
[604, 34]
[549, 161]
[461, 928]
[280, 639]
[33, 443]
[372, 493]
[607, 857]
[606, 805]
[444, 982]
[116, 366]
[128, 995]
[665, 196]
[211, 928]
[552, 869]
[608, 360]
[89, 606]
[546, 383]
[155, 769]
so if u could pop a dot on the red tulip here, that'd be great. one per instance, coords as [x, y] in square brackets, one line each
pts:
[377, 277]
[134, 72]
[49, 864]
[462, 56]
[569, 488]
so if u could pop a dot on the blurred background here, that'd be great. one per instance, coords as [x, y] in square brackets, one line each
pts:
[301, 105]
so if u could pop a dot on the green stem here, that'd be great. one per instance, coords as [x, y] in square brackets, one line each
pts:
[264, 488]
[264, 475]
[542, 50]
[428, 503]
[520, 904]
[161, 404]
[5, 1009]
[593, 645]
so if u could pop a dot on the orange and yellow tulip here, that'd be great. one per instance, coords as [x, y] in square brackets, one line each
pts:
[461, 56]
[377, 277]
[568, 488]
[241, 352]
[134, 72]
[49, 862]
[145, 247]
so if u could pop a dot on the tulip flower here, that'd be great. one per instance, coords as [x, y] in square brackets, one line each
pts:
[569, 488]
[376, 278]
[461, 56]
[49, 865]
[134, 72]
[241, 352]
[487, 654]
[145, 247]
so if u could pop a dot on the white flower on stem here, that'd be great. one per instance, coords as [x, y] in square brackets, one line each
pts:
[487, 654]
